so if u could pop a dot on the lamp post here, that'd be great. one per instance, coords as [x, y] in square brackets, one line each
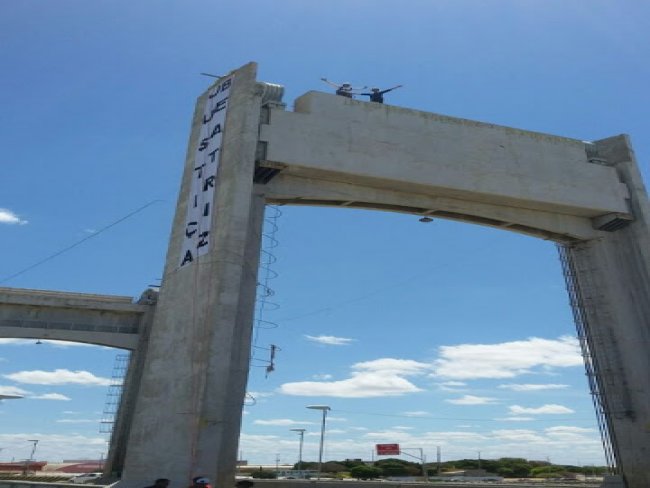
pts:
[324, 409]
[301, 432]
[31, 456]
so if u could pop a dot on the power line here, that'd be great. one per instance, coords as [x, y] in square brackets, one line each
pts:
[79, 242]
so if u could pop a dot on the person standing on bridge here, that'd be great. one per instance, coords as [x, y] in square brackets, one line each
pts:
[376, 95]
[344, 89]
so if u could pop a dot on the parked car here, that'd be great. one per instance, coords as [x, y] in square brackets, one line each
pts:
[85, 478]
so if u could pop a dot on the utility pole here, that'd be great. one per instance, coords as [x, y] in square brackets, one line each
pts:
[301, 432]
[438, 461]
[422, 459]
[31, 456]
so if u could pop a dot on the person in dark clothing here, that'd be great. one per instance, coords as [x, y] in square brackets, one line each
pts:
[160, 483]
[376, 95]
[200, 482]
[344, 89]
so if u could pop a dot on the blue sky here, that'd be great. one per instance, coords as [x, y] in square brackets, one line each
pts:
[440, 334]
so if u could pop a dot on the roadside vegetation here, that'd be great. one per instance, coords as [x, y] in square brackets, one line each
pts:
[392, 467]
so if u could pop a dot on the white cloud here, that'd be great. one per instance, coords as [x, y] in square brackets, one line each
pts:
[58, 377]
[281, 422]
[550, 409]
[451, 386]
[515, 419]
[563, 429]
[517, 435]
[78, 421]
[393, 366]
[472, 400]
[330, 340]
[12, 390]
[508, 359]
[568, 433]
[323, 376]
[416, 413]
[378, 378]
[53, 446]
[260, 394]
[361, 385]
[51, 396]
[8, 217]
[532, 387]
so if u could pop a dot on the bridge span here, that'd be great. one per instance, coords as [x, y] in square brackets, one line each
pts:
[106, 320]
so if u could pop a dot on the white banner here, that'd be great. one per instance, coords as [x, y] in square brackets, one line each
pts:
[201, 200]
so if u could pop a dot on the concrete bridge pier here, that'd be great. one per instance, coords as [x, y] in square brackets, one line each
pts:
[612, 276]
[188, 413]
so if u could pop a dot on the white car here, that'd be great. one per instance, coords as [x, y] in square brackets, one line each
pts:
[85, 478]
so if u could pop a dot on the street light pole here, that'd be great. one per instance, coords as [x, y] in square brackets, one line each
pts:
[31, 456]
[324, 409]
[301, 432]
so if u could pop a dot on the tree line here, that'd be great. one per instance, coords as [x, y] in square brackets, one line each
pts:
[393, 467]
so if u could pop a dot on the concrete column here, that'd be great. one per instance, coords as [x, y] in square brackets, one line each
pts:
[613, 274]
[188, 414]
[114, 463]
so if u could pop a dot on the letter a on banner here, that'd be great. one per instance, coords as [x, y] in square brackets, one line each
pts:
[207, 156]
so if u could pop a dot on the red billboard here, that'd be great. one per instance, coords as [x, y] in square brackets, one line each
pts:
[387, 449]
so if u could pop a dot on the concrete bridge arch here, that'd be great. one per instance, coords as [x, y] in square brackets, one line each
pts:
[247, 150]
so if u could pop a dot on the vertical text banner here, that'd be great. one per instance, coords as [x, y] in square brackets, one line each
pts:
[198, 222]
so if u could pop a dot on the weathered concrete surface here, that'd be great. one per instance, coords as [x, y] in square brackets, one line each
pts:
[114, 462]
[613, 277]
[79, 317]
[379, 146]
[188, 413]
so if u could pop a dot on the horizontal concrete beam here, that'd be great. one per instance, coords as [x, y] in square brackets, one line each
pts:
[286, 189]
[335, 139]
[112, 321]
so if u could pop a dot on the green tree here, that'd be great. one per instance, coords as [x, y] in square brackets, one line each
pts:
[364, 472]
[520, 470]
[505, 472]
[264, 475]
[407, 468]
[546, 471]
[333, 467]
[393, 469]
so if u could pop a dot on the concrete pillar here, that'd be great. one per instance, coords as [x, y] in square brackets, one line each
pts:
[613, 275]
[114, 463]
[188, 415]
